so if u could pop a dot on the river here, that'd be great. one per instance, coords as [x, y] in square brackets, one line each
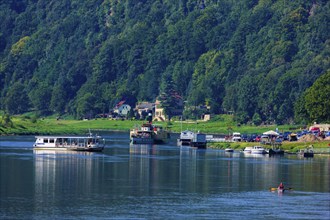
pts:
[157, 182]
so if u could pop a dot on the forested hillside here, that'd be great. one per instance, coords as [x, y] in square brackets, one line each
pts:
[265, 60]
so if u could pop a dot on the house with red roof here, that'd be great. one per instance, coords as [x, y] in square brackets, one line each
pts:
[122, 109]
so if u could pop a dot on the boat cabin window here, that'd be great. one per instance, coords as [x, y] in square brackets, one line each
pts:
[46, 140]
[51, 140]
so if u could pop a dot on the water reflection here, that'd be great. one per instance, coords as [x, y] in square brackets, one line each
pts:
[140, 149]
[59, 173]
[129, 181]
[255, 155]
[235, 154]
[197, 170]
[139, 166]
[188, 168]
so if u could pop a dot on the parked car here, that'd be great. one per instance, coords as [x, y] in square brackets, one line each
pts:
[237, 137]
[293, 137]
[250, 138]
[257, 138]
[304, 132]
[280, 137]
[244, 137]
[315, 129]
[299, 135]
[316, 133]
[286, 135]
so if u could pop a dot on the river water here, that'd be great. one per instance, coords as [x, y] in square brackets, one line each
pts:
[157, 182]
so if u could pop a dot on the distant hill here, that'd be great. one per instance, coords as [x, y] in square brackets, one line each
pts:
[257, 58]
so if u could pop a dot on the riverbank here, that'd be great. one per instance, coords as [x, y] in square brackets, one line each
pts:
[224, 124]
[26, 126]
[320, 147]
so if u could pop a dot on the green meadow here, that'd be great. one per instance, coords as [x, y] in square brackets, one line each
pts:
[223, 124]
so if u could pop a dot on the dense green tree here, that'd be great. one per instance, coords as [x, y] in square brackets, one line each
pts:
[6, 120]
[104, 68]
[256, 119]
[16, 101]
[167, 95]
[182, 72]
[317, 102]
[85, 106]
[241, 117]
[300, 112]
[241, 56]
[59, 99]
[40, 95]
[247, 94]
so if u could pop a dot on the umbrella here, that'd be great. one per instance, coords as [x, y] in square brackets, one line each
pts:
[271, 132]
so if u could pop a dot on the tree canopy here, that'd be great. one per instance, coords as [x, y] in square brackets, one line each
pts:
[263, 60]
[317, 102]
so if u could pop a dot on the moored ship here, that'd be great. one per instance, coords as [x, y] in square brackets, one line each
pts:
[189, 138]
[74, 143]
[149, 134]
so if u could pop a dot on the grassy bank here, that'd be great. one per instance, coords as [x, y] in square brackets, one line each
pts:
[222, 125]
[23, 125]
[289, 147]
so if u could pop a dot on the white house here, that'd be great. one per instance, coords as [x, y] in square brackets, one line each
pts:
[122, 109]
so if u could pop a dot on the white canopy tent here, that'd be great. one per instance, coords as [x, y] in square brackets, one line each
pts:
[271, 132]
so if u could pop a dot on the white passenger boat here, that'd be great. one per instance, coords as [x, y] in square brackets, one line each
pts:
[258, 150]
[74, 143]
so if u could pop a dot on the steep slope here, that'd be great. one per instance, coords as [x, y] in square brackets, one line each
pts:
[255, 58]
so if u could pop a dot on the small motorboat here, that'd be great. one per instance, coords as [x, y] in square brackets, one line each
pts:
[275, 152]
[229, 150]
[258, 150]
[247, 150]
[304, 153]
[308, 152]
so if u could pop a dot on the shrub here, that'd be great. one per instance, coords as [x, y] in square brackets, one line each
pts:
[6, 120]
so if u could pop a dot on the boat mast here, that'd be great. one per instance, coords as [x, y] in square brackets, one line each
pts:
[181, 123]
